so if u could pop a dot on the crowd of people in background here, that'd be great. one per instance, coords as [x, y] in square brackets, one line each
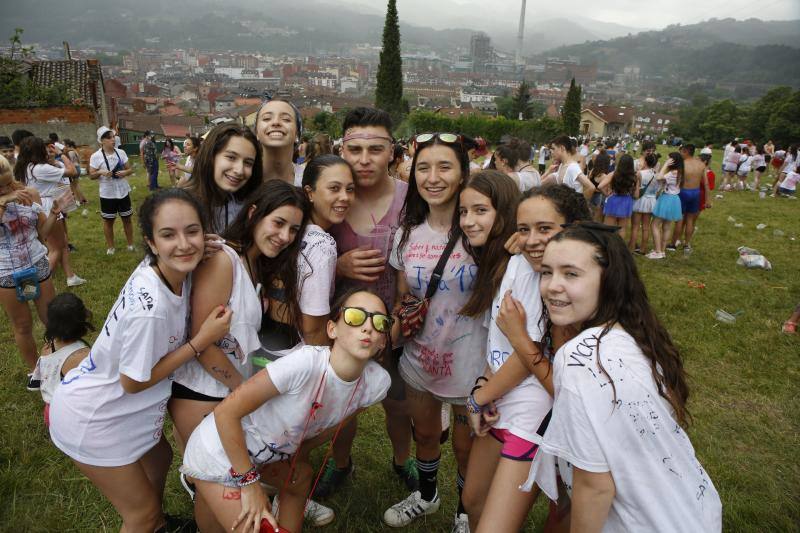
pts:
[488, 297]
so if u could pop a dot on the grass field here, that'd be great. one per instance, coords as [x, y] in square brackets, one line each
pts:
[744, 384]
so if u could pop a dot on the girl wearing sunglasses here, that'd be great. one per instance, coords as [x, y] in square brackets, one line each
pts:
[620, 397]
[304, 398]
[440, 361]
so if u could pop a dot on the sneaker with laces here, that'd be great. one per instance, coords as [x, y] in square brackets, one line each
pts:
[33, 384]
[187, 485]
[671, 248]
[332, 478]
[460, 524]
[403, 513]
[316, 513]
[110, 251]
[75, 280]
[408, 473]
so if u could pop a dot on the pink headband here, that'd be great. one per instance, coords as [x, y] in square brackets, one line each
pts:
[367, 136]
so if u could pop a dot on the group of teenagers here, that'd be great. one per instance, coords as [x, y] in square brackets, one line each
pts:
[744, 157]
[262, 325]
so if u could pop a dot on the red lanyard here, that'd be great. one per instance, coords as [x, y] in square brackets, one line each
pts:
[315, 406]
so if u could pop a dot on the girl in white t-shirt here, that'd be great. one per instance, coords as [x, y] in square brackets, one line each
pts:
[37, 168]
[67, 324]
[108, 413]
[569, 171]
[789, 162]
[226, 172]
[620, 398]
[268, 426]
[643, 207]
[512, 399]
[440, 361]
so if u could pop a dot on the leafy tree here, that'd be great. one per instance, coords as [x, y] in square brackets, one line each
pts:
[783, 125]
[17, 89]
[389, 92]
[761, 112]
[571, 114]
[722, 120]
[329, 123]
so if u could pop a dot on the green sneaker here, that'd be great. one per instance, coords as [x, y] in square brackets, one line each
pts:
[332, 478]
[408, 473]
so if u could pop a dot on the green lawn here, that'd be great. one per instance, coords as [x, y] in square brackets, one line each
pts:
[744, 384]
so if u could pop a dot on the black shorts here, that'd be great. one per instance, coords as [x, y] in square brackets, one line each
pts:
[761, 169]
[185, 393]
[111, 207]
[541, 167]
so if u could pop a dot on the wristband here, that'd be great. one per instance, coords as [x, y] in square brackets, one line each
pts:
[472, 406]
[248, 478]
[196, 354]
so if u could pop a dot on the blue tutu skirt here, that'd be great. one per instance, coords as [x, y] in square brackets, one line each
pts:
[619, 205]
[668, 207]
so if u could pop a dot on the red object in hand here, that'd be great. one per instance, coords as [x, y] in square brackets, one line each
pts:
[266, 527]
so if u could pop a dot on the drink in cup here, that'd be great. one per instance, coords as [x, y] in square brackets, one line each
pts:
[376, 239]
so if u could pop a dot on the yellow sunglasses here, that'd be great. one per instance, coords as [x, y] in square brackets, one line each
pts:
[356, 316]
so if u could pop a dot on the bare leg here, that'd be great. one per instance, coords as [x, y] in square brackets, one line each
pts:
[506, 506]
[666, 232]
[108, 231]
[657, 234]
[678, 233]
[156, 464]
[46, 294]
[636, 221]
[645, 230]
[483, 459]
[398, 427]
[128, 227]
[19, 314]
[344, 444]
[131, 492]
[690, 222]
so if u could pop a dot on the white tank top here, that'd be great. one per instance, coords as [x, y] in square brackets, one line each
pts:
[48, 368]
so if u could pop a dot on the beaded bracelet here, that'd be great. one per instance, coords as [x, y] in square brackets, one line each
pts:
[472, 406]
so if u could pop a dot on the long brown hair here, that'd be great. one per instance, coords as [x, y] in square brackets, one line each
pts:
[282, 268]
[492, 258]
[623, 300]
[203, 187]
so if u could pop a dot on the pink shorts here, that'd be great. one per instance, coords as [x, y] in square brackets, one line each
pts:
[514, 447]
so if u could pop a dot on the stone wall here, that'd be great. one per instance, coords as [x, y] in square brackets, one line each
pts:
[72, 122]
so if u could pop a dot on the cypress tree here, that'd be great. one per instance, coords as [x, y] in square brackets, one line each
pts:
[522, 102]
[389, 92]
[571, 114]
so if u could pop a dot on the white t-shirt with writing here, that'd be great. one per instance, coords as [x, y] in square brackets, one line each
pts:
[317, 271]
[274, 430]
[446, 354]
[48, 368]
[628, 430]
[92, 418]
[113, 188]
[49, 180]
[790, 181]
[523, 408]
[241, 340]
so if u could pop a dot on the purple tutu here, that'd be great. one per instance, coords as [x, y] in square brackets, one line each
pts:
[619, 205]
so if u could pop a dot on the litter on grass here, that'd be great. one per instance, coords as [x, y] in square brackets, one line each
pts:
[750, 258]
[725, 317]
[761, 226]
[738, 225]
[731, 219]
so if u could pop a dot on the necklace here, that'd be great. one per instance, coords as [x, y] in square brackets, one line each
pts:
[164, 279]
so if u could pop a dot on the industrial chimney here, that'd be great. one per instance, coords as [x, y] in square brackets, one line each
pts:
[520, 34]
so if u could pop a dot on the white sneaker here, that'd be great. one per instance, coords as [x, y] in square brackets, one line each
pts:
[75, 280]
[460, 524]
[655, 255]
[403, 513]
[131, 248]
[318, 514]
[110, 251]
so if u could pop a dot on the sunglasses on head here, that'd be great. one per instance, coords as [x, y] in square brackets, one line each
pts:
[356, 316]
[447, 138]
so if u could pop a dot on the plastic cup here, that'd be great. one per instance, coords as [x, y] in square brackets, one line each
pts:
[725, 317]
[376, 239]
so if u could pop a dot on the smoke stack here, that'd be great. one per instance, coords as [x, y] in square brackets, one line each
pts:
[521, 32]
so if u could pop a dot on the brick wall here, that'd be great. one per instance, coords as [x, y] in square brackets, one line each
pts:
[72, 122]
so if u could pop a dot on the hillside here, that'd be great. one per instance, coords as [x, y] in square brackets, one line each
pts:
[754, 51]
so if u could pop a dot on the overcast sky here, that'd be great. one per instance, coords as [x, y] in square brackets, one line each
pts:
[652, 14]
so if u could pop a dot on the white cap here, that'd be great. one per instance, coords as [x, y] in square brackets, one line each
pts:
[102, 130]
[59, 146]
